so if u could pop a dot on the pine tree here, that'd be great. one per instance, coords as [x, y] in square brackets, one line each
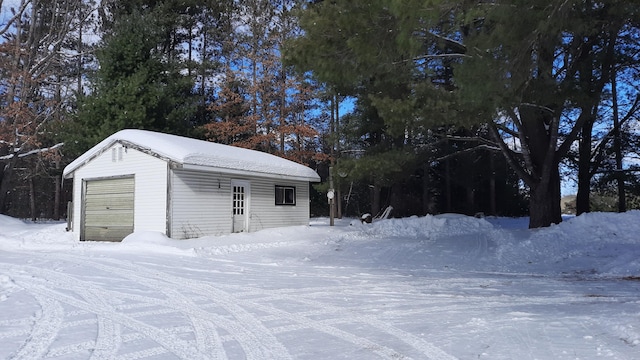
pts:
[541, 71]
[231, 124]
[532, 71]
[359, 50]
[140, 83]
[271, 103]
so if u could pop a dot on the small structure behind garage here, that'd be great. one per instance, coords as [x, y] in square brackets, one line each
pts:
[138, 180]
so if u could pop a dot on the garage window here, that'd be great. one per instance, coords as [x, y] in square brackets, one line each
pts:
[285, 195]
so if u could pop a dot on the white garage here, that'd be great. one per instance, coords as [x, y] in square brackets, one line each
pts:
[137, 180]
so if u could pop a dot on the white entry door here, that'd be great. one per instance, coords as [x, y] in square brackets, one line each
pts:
[240, 195]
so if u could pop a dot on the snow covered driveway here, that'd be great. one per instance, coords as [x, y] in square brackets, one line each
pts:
[425, 288]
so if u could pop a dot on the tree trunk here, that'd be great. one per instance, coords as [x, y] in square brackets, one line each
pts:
[584, 170]
[32, 199]
[427, 205]
[5, 182]
[375, 200]
[544, 203]
[282, 109]
[471, 203]
[339, 202]
[492, 186]
[56, 195]
[447, 186]
[617, 146]
[336, 145]
[79, 64]
[56, 198]
[540, 127]
[470, 188]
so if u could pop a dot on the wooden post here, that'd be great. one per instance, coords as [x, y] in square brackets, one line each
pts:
[331, 196]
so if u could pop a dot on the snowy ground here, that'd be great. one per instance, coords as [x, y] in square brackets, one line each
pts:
[435, 287]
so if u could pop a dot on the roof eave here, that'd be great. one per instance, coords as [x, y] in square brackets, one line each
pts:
[101, 148]
[94, 152]
[241, 172]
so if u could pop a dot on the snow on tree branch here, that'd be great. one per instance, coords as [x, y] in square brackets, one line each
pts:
[32, 152]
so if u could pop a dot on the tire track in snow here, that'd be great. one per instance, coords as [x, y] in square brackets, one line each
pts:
[218, 295]
[44, 331]
[105, 346]
[211, 341]
[427, 349]
[256, 340]
[231, 303]
[177, 346]
[250, 324]
[108, 338]
[169, 342]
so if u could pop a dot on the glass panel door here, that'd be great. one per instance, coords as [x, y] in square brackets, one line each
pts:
[239, 205]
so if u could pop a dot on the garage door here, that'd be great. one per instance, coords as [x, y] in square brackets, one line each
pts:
[108, 209]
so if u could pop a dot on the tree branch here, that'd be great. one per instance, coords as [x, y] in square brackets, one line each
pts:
[32, 152]
[598, 154]
[522, 136]
[16, 16]
[510, 156]
[475, 148]
[434, 56]
[549, 164]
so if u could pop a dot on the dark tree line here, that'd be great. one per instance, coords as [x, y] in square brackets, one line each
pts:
[428, 107]
[537, 75]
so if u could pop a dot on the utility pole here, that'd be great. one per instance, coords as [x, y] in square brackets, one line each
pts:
[331, 197]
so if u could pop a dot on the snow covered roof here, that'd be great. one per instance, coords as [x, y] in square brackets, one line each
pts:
[198, 153]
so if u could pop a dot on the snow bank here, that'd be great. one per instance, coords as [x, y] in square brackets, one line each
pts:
[17, 234]
[429, 226]
[596, 244]
[153, 241]
[7, 222]
[603, 244]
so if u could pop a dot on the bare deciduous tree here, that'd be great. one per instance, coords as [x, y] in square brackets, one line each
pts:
[33, 90]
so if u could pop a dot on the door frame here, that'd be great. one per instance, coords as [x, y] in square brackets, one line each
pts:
[247, 203]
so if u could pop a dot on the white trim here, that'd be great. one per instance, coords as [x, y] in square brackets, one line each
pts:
[245, 173]
[247, 202]
[85, 185]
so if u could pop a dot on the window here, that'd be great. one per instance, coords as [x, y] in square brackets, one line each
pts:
[238, 200]
[285, 195]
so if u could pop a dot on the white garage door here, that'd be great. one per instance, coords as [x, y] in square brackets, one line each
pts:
[108, 209]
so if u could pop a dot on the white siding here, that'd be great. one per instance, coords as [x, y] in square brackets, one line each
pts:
[201, 204]
[150, 208]
[266, 214]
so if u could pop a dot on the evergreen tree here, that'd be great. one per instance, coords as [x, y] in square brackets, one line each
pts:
[540, 71]
[533, 71]
[270, 103]
[359, 49]
[140, 81]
